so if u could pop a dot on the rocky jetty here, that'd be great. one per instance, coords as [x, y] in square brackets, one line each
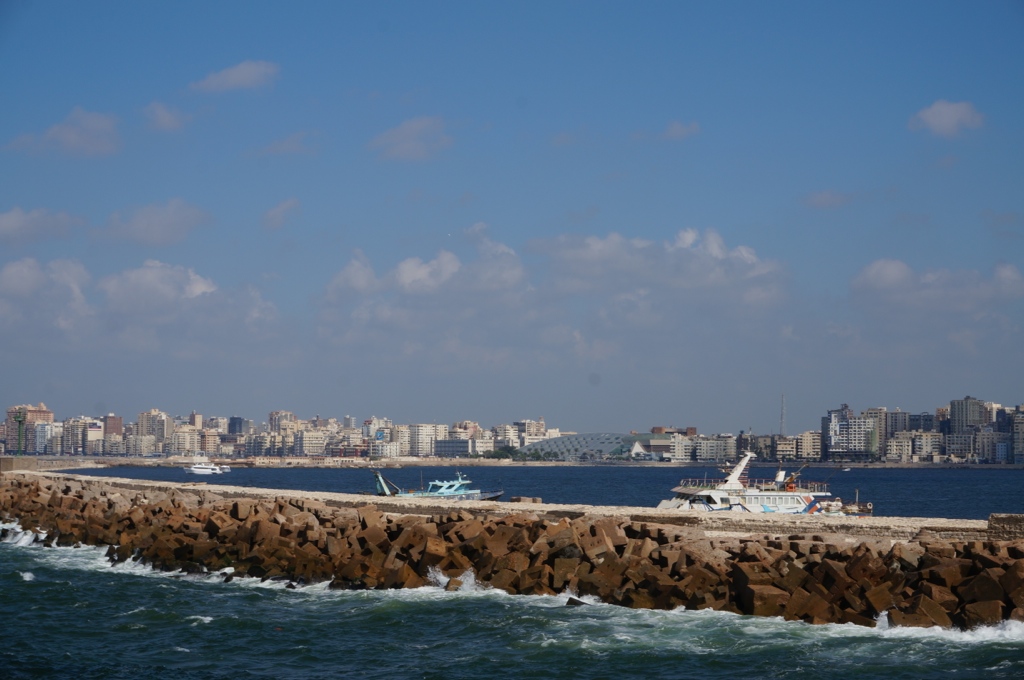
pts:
[926, 581]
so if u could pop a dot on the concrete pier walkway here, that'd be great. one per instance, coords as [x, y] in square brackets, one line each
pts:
[997, 527]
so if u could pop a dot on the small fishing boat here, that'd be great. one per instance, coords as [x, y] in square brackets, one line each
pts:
[454, 490]
[207, 469]
[783, 494]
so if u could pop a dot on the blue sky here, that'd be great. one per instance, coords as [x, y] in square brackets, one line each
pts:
[610, 216]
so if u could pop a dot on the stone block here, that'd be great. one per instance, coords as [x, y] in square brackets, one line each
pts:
[370, 516]
[746, 574]
[907, 554]
[850, 616]
[564, 569]
[763, 600]
[926, 606]
[1013, 576]
[504, 580]
[879, 597]
[908, 619]
[984, 586]
[984, 613]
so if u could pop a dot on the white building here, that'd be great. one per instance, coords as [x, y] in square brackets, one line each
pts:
[156, 423]
[185, 441]
[48, 438]
[310, 442]
[141, 445]
[422, 437]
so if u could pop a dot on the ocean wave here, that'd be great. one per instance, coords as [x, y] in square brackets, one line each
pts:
[603, 626]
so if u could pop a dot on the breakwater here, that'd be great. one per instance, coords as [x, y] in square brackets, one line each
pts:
[948, 573]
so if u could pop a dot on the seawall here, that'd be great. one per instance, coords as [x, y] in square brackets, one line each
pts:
[916, 571]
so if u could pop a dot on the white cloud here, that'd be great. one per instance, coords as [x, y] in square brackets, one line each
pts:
[16, 225]
[83, 133]
[154, 286]
[827, 199]
[357, 276]
[155, 224]
[894, 285]
[174, 310]
[413, 275]
[162, 117]
[38, 299]
[413, 140]
[691, 261]
[921, 315]
[575, 299]
[678, 130]
[21, 278]
[280, 213]
[246, 75]
[885, 274]
[947, 119]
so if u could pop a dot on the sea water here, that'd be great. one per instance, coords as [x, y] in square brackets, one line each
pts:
[66, 612]
[957, 493]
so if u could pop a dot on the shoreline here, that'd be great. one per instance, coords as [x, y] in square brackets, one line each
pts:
[917, 572]
[55, 463]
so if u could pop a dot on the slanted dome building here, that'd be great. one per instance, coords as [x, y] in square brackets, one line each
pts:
[581, 447]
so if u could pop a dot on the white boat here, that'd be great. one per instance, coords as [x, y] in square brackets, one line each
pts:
[207, 469]
[738, 493]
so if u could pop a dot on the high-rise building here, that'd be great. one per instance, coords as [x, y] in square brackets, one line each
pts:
[896, 421]
[78, 433]
[372, 424]
[310, 442]
[217, 423]
[808, 445]
[422, 437]
[155, 423]
[239, 425]
[48, 438]
[921, 422]
[848, 437]
[20, 426]
[879, 418]
[277, 419]
[112, 424]
[1018, 436]
[966, 414]
[185, 441]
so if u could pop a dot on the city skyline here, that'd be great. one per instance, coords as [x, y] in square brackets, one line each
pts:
[276, 416]
[601, 214]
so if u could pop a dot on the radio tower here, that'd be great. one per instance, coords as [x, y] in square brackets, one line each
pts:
[782, 418]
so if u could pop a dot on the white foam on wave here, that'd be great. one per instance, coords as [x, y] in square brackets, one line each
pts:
[137, 610]
[628, 626]
[196, 620]
[609, 628]
[1007, 631]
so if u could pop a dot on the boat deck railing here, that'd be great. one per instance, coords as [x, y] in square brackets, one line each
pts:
[759, 484]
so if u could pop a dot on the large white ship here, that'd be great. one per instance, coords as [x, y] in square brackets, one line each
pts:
[737, 492]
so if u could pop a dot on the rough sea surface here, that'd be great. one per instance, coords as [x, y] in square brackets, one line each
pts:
[66, 613]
